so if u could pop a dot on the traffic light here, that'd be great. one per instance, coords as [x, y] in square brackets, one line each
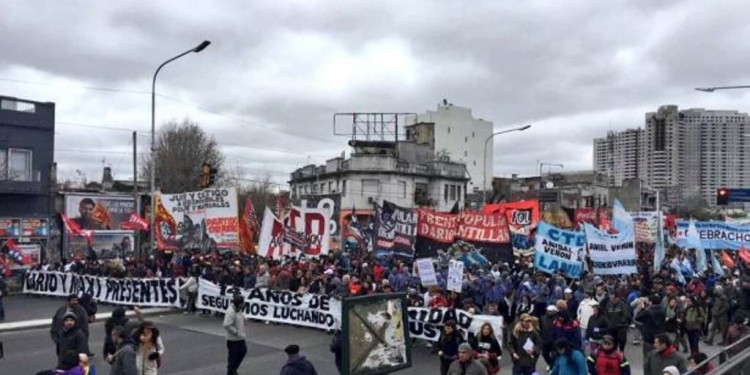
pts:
[212, 175]
[722, 196]
[206, 175]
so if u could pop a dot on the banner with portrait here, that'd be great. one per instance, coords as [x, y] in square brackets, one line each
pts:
[98, 211]
[559, 250]
[204, 219]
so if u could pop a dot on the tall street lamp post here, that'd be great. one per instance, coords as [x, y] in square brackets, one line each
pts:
[195, 49]
[486, 142]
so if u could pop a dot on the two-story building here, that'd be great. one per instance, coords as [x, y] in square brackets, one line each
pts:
[405, 173]
[27, 140]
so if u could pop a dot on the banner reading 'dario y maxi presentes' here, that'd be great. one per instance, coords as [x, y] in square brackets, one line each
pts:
[198, 219]
[611, 254]
[154, 292]
[559, 250]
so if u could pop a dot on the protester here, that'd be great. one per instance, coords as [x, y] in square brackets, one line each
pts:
[599, 325]
[736, 332]
[569, 360]
[525, 346]
[296, 364]
[234, 325]
[695, 360]
[547, 338]
[695, 317]
[81, 319]
[123, 360]
[487, 348]
[585, 311]
[191, 287]
[3, 292]
[607, 359]
[118, 318]
[652, 318]
[618, 317]
[337, 349]
[719, 316]
[447, 346]
[662, 356]
[466, 364]
[149, 349]
[70, 337]
[85, 364]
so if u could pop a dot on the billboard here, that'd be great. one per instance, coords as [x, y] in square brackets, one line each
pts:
[98, 211]
[105, 244]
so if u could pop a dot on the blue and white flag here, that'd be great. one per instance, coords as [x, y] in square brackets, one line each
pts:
[559, 250]
[659, 245]
[675, 266]
[693, 241]
[715, 265]
[611, 254]
[621, 219]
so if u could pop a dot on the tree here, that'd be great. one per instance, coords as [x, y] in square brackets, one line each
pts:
[180, 151]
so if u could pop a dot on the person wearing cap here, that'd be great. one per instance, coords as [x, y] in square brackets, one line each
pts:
[547, 338]
[670, 370]
[297, 364]
[466, 364]
[607, 360]
[70, 337]
[82, 318]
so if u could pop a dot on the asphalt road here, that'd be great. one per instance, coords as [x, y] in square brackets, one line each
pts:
[196, 345]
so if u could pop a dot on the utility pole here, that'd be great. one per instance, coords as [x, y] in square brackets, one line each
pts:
[136, 203]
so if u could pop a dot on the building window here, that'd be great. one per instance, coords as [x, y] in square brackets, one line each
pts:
[472, 135]
[370, 188]
[475, 163]
[466, 139]
[315, 188]
[453, 192]
[459, 192]
[3, 164]
[322, 188]
[449, 130]
[330, 187]
[19, 165]
[445, 193]
[402, 189]
[343, 188]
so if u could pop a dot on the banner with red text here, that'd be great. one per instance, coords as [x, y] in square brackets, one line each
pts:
[523, 218]
[202, 219]
[471, 236]
[303, 231]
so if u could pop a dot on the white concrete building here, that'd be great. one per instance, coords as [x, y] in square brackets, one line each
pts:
[686, 153]
[404, 173]
[461, 136]
[616, 156]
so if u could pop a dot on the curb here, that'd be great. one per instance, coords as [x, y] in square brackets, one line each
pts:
[42, 323]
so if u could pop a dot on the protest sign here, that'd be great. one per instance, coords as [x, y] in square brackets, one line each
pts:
[647, 239]
[202, 219]
[395, 230]
[716, 235]
[485, 235]
[455, 276]
[304, 231]
[522, 218]
[427, 324]
[426, 272]
[154, 292]
[559, 250]
[281, 306]
[611, 254]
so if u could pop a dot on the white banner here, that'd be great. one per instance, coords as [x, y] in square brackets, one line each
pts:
[611, 254]
[426, 272]
[455, 276]
[427, 324]
[198, 219]
[152, 292]
[304, 231]
[281, 306]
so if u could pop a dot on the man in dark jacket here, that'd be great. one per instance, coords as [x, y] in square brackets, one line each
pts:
[297, 364]
[618, 314]
[123, 361]
[653, 317]
[663, 355]
[70, 337]
[82, 318]
[599, 326]
[720, 316]
[525, 346]
[3, 292]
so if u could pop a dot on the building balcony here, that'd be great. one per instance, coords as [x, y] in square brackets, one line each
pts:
[381, 164]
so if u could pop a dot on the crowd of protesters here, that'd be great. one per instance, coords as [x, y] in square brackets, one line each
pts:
[575, 326]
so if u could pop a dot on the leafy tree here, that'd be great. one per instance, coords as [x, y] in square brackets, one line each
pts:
[180, 151]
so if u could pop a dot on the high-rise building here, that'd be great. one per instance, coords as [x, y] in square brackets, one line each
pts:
[453, 132]
[685, 153]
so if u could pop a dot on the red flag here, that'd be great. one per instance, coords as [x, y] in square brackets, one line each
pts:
[744, 254]
[135, 222]
[12, 252]
[728, 262]
[11, 245]
[72, 228]
[248, 226]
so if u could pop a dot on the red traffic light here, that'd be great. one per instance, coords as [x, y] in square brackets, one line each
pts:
[723, 192]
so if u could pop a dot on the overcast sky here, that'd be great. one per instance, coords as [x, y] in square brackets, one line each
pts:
[277, 71]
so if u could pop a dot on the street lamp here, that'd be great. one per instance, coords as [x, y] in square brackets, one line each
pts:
[712, 89]
[195, 49]
[484, 182]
